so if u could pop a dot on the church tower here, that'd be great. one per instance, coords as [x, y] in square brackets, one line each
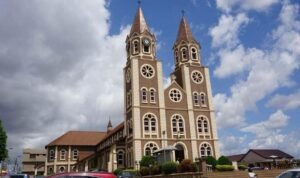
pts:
[179, 117]
[192, 88]
[144, 98]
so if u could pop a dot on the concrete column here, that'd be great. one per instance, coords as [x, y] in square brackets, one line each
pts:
[55, 160]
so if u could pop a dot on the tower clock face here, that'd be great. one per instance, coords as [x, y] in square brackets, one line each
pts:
[146, 42]
[128, 75]
[147, 71]
[197, 77]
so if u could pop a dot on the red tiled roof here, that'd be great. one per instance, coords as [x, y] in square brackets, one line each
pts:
[79, 138]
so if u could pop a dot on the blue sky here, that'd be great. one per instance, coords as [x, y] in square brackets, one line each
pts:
[61, 66]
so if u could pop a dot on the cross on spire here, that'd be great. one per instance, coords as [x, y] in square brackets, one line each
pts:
[182, 11]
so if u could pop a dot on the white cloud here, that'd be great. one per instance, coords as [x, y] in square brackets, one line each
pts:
[60, 70]
[264, 129]
[231, 145]
[229, 5]
[285, 102]
[226, 32]
[280, 61]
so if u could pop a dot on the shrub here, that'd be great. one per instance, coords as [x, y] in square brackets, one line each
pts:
[147, 160]
[242, 167]
[211, 161]
[195, 167]
[224, 167]
[144, 171]
[169, 167]
[185, 166]
[223, 160]
[155, 170]
[117, 171]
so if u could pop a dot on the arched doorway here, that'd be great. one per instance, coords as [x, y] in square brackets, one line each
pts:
[179, 153]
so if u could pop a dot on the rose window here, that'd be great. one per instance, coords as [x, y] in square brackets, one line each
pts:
[175, 95]
[147, 71]
[197, 77]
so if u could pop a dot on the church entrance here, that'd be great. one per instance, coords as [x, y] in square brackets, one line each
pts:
[179, 153]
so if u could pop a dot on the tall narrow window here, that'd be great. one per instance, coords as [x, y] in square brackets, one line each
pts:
[176, 56]
[75, 154]
[184, 54]
[63, 154]
[51, 155]
[194, 54]
[146, 44]
[203, 99]
[152, 95]
[120, 157]
[144, 95]
[146, 125]
[153, 124]
[135, 47]
[196, 98]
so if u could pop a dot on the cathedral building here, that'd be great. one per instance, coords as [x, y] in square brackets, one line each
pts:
[180, 115]
[178, 118]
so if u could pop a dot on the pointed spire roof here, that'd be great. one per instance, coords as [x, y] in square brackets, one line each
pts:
[184, 32]
[109, 123]
[139, 24]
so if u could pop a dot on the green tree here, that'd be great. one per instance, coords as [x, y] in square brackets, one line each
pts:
[211, 161]
[147, 160]
[3, 138]
[223, 160]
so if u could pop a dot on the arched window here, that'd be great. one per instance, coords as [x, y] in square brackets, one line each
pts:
[153, 124]
[62, 169]
[202, 124]
[205, 150]
[135, 47]
[194, 54]
[196, 98]
[178, 126]
[63, 154]
[50, 171]
[129, 126]
[149, 119]
[146, 124]
[51, 155]
[120, 157]
[152, 95]
[146, 45]
[203, 99]
[144, 95]
[176, 56]
[75, 154]
[128, 47]
[184, 54]
[150, 148]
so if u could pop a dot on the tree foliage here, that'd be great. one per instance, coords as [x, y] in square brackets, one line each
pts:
[223, 160]
[3, 138]
[147, 160]
[211, 161]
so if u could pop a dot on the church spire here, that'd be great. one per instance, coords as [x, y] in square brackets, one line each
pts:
[184, 32]
[139, 24]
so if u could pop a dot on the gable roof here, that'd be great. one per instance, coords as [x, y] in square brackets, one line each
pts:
[268, 153]
[78, 138]
[236, 158]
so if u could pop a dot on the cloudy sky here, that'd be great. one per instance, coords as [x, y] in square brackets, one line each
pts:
[61, 66]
